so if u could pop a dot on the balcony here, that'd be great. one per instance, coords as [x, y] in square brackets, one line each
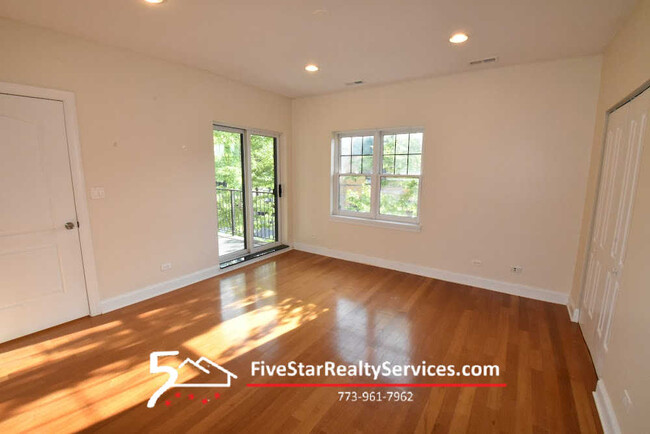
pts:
[230, 212]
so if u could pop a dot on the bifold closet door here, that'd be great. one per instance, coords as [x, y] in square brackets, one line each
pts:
[626, 137]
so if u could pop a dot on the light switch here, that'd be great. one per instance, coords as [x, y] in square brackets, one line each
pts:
[97, 193]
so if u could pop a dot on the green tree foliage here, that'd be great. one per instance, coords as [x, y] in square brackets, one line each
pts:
[356, 193]
[262, 162]
[399, 197]
[227, 159]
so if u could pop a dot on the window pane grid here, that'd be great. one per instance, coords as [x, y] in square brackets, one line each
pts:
[401, 153]
[356, 155]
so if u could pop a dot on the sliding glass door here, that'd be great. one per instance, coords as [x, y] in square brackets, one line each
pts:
[246, 182]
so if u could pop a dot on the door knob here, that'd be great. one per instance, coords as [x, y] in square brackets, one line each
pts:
[69, 226]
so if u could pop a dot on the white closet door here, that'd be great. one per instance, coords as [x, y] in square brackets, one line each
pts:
[625, 137]
[41, 273]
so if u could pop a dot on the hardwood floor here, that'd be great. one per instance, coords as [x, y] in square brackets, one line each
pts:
[93, 374]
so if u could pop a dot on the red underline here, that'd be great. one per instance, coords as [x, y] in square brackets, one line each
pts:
[376, 385]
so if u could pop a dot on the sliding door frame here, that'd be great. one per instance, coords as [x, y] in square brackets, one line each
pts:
[247, 187]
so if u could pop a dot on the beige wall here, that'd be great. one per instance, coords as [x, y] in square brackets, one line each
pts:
[626, 66]
[506, 156]
[145, 130]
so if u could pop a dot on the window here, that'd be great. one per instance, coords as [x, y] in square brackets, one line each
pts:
[377, 175]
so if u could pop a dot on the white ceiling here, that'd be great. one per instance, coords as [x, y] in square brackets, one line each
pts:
[267, 43]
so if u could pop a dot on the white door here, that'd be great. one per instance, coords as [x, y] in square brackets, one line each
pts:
[41, 272]
[626, 132]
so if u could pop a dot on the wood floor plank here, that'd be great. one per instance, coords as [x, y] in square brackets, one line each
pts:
[93, 374]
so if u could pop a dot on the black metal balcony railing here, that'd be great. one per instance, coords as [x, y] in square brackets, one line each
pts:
[230, 213]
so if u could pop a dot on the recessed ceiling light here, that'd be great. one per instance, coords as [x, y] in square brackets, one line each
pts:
[311, 68]
[154, 1]
[458, 38]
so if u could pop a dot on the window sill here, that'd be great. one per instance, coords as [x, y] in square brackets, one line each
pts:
[411, 227]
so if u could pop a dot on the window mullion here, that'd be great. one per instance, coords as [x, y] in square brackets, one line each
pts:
[337, 175]
[375, 184]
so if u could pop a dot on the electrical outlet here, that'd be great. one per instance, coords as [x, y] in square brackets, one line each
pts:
[517, 269]
[166, 266]
[477, 262]
[627, 401]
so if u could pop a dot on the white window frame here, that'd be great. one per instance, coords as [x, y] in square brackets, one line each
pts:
[374, 217]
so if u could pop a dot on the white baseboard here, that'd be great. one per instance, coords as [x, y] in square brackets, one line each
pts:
[449, 276]
[605, 410]
[574, 312]
[123, 300]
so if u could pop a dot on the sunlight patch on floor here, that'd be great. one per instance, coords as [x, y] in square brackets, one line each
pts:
[243, 333]
[29, 356]
[251, 299]
[112, 388]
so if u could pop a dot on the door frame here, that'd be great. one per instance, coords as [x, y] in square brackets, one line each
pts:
[78, 180]
[279, 142]
[638, 91]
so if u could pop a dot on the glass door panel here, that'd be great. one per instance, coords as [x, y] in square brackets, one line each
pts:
[229, 183]
[263, 191]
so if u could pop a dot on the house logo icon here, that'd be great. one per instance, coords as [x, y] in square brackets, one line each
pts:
[202, 366]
